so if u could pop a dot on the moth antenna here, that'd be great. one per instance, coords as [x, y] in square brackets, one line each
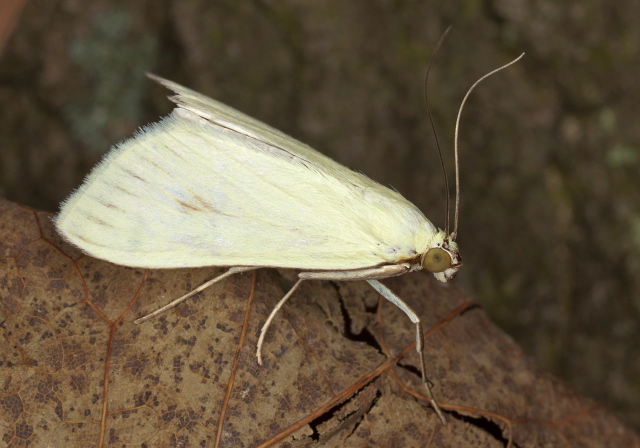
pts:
[433, 126]
[455, 144]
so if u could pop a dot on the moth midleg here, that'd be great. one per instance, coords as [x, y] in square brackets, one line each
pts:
[263, 330]
[386, 271]
[397, 301]
[354, 274]
[230, 272]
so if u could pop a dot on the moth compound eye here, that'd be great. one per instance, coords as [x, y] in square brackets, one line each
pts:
[436, 260]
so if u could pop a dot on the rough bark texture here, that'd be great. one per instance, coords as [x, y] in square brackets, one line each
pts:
[339, 362]
[550, 219]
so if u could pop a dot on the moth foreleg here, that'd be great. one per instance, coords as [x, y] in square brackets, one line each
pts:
[397, 301]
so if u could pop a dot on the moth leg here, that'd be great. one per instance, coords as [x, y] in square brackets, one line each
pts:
[390, 270]
[202, 287]
[397, 301]
[355, 274]
[263, 331]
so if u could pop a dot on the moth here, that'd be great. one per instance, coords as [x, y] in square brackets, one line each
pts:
[211, 186]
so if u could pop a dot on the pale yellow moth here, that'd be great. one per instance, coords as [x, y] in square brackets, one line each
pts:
[210, 186]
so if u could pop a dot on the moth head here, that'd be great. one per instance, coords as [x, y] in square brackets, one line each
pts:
[443, 260]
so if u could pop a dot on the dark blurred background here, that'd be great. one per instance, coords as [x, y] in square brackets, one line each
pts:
[550, 148]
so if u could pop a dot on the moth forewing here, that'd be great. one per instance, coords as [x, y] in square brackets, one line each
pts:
[186, 192]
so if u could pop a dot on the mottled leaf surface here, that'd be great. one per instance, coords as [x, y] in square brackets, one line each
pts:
[340, 367]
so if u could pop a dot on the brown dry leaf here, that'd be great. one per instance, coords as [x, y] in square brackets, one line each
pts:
[339, 369]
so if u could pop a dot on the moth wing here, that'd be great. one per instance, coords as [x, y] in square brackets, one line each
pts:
[188, 191]
[230, 118]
